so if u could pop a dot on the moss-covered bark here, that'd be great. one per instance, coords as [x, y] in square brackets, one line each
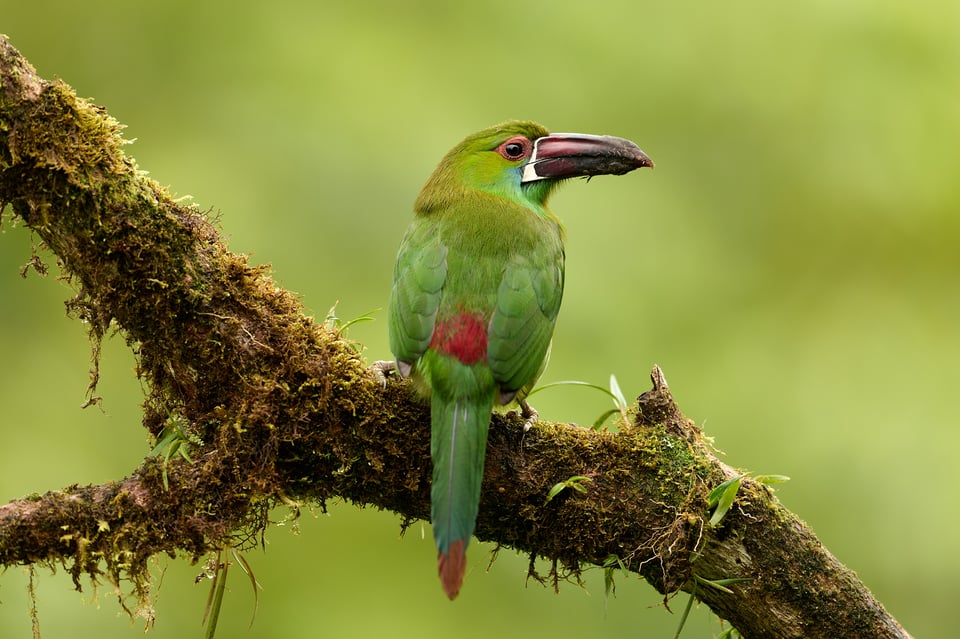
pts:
[281, 408]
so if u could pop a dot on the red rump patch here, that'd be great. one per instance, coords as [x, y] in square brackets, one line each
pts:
[464, 336]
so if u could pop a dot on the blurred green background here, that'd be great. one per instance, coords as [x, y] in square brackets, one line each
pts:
[792, 264]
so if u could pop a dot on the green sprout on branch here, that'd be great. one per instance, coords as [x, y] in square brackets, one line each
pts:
[576, 483]
[620, 404]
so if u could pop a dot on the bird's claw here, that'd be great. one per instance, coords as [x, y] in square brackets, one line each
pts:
[381, 368]
[529, 414]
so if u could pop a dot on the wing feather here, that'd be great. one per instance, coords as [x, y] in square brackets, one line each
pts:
[418, 279]
[521, 326]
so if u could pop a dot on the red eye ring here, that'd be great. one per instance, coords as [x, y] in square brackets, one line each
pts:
[516, 148]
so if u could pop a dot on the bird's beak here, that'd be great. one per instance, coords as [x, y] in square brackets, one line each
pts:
[565, 155]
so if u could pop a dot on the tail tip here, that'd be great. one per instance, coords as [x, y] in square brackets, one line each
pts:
[451, 567]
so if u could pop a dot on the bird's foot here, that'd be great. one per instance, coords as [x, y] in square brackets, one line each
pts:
[381, 368]
[529, 414]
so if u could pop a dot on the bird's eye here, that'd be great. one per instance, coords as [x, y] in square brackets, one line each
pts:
[514, 148]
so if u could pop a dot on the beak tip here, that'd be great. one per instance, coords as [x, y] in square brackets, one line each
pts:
[642, 159]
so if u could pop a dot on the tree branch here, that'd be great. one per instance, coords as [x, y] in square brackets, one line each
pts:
[276, 408]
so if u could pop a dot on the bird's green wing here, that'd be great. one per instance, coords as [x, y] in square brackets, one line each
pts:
[521, 327]
[418, 279]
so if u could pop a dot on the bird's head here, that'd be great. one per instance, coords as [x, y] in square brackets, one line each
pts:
[522, 161]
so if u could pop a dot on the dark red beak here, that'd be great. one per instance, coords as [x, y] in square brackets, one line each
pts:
[566, 155]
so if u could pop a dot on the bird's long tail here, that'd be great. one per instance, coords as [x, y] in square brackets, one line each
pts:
[458, 446]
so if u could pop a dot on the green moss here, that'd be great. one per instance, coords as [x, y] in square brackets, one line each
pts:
[218, 343]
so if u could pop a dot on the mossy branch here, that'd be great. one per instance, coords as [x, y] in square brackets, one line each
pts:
[280, 408]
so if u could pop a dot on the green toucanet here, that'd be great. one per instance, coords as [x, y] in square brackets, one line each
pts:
[476, 291]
